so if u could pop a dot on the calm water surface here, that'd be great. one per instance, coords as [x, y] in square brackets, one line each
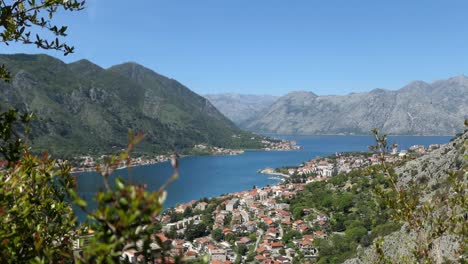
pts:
[209, 176]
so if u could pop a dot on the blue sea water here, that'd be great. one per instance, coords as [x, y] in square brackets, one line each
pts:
[210, 176]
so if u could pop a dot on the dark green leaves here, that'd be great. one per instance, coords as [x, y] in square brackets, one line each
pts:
[19, 18]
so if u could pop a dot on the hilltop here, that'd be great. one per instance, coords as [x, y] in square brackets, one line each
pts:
[83, 108]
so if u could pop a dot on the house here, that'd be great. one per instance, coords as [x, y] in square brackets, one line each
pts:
[201, 206]
[243, 241]
[282, 259]
[276, 246]
[268, 221]
[217, 254]
[321, 217]
[320, 234]
[284, 216]
[191, 255]
[297, 223]
[202, 242]
[263, 195]
[232, 204]
[273, 232]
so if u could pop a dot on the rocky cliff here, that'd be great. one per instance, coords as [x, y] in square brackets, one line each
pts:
[432, 169]
[419, 108]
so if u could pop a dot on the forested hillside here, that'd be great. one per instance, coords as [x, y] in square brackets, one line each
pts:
[82, 108]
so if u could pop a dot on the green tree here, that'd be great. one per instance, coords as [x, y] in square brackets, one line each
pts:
[194, 231]
[230, 237]
[37, 224]
[356, 233]
[35, 218]
[242, 250]
[343, 202]
[217, 234]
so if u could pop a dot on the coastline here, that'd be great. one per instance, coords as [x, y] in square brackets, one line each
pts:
[274, 173]
[93, 169]
[90, 164]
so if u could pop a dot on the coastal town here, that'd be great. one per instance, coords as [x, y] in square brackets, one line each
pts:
[259, 225]
[89, 163]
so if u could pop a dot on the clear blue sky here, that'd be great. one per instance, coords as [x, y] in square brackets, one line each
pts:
[276, 46]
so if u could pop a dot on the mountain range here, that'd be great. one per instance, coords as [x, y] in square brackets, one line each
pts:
[82, 108]
[419, 108]
[240, 107]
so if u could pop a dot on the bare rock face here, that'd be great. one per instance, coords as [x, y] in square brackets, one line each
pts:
[432, 169]
[419, 108]
[240, 107]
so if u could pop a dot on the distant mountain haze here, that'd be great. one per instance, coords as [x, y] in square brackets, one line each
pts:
[419, 108]
[82, 108]
[240, 107]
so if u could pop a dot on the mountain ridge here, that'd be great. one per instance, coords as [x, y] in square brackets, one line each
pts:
[419, 108]
[83, 108]
[240, 107]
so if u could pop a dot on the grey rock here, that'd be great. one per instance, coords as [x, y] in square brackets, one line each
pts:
[419, 108]
[240, 107]
[434, 168]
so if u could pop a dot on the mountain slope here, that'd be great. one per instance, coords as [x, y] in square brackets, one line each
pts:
[83, 108]
[419, 108]
[240, 107]
[432, 169]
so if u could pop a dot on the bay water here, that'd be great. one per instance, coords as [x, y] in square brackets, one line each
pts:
[210, 176]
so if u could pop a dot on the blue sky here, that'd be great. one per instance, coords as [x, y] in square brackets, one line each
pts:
[275, 46]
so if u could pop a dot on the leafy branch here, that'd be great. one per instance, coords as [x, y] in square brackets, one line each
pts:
[20, 19]
[430, 219]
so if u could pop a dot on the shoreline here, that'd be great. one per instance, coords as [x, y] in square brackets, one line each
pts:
[93, 169]
[274, 173]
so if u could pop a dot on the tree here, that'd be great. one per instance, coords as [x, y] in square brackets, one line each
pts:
[242, 250]
[291, 235]
[343, 202]
[356, 233]
[35, 218]
[230, 237]
[18, 19]
[217, 234]
[194, 231]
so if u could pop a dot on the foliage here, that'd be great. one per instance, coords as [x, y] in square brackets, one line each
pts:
[37, 224]
[291, 235]
[242, 250]
[354, 216]
[36, 221]
[124, 215]
[444, 214]
[12, 125]
[217, 234]
[20, 18]
[193, 231]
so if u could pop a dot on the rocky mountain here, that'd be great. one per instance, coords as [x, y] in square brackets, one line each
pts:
[240, 107]
[419, 108]
[432, 170]
[82, 108]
